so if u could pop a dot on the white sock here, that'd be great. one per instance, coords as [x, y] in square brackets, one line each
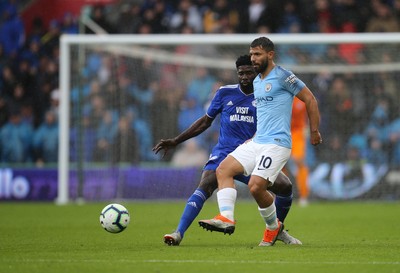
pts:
[226, 202]
[269, 216]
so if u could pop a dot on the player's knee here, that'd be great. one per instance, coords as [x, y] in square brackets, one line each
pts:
[282, 185]
[208, 187]
[255, 187]
[222, 173]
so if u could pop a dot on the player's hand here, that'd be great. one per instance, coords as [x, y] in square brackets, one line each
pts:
[316, 138]
[164, 144]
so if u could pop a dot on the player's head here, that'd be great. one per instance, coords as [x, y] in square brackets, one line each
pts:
[246, 73]
[262, 53]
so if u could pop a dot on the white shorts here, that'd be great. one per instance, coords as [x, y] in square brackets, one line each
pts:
[264, 160]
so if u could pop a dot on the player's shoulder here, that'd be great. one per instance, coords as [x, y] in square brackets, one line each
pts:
[282, 72]
[229, 88]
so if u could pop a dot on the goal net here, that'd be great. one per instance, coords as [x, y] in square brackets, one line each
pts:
[121, 94]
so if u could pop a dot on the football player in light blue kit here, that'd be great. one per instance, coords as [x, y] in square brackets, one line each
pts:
[264, 156]
[236, 105]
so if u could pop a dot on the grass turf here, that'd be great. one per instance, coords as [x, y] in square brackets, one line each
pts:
[337, 237]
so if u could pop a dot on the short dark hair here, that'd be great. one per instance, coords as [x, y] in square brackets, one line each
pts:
[243, 60]
[264, 43]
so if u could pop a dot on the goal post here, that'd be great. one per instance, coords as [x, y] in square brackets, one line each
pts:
[366, 58]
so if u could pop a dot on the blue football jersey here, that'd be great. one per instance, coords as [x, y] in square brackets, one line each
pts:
[238, 121]
[274, 96]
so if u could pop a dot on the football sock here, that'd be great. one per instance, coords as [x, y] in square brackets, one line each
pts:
[192, 209]
[269, 216]
[283, 204]
[226, 202]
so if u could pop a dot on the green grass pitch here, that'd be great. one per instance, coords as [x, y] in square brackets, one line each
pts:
[337, 237]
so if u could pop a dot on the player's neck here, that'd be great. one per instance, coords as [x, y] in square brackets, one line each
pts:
[266, 72]
[247, 90]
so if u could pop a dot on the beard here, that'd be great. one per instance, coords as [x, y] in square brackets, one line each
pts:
[262, 67]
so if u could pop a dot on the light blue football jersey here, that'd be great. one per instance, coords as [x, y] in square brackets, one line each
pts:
[274, 97]
[238, 121]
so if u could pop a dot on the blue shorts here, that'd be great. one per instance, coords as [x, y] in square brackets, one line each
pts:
[214, 161]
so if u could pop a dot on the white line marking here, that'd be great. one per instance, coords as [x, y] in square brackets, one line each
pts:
[203, 261]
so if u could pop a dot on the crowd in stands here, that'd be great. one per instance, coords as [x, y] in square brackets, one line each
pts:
[361, 113]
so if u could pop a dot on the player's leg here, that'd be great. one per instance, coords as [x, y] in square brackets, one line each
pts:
[226, 196]
[208, 184]
[298, 155]
[270, 161]
[267, 209]
[282, 188]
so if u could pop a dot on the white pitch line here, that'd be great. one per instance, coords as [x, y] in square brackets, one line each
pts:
[204, 261]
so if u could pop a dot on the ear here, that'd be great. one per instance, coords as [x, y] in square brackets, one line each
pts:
[271, 55]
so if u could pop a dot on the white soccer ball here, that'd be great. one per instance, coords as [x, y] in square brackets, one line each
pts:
[114, 218]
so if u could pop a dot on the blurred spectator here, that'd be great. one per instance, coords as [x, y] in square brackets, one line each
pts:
[4, 111]
[38, 30]
[129, 19]
[291, 22]
[19, 99]
[378, 120]
[157, 16]
[349, 13]
[189, 112]
[96, 110]
[69, 24]
[190, 154]
[12, 31]
[187, 14]
[125, 148]
[394, 142]
[351, 53]
[144, 135]
[45, 140]
[255, 10]
[105, 134]
[51, 40]
[99, 16]
[55, 101]
[8, 81]
[351, 173]
[341, 117]
[221, 18]
[323, 17]
[82, 134]
[271, 16]
[16, 140]
[200, 86]
[383, 19]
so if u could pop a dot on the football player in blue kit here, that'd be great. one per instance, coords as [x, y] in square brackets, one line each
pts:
[264, 156]
[236, 105]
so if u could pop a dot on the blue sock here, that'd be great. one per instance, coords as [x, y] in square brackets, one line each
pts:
[283, 204]
[193, 207]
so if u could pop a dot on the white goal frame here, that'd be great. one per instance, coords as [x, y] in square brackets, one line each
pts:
[171, 39]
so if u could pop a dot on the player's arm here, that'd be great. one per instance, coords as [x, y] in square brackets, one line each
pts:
[311, 103]
[197, 127]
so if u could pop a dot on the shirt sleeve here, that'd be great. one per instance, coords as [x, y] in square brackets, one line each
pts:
[216, 105]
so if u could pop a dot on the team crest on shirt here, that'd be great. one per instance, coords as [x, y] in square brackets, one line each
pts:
[254, 103]
[268, 87]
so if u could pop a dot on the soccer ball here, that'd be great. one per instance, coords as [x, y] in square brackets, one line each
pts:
[114, 218]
